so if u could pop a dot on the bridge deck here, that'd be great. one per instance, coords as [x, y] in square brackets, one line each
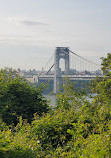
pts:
[71, 77]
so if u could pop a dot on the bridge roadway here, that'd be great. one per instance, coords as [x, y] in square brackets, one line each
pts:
[71, 77]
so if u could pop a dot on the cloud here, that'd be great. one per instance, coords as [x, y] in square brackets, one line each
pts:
[27, 21]
[31, 23]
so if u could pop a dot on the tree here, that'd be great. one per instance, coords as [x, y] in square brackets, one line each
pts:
[102, 85]
[106, 65]
[19, 98]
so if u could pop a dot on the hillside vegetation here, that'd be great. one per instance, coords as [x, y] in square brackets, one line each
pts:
[75, 128]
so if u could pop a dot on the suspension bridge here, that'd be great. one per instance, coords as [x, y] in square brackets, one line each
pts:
[75, 67]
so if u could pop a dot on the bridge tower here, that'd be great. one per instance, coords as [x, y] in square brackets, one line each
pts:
[60, 52]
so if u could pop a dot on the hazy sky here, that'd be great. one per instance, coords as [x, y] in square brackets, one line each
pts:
[31, 29]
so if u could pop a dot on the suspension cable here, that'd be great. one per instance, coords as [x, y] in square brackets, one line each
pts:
[48, 61]
[84, 58]
[49, 69]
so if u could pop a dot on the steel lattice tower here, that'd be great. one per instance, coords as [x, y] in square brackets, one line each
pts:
[60, 52]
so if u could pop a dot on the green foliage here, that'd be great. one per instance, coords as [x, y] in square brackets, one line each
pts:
[62, 133]
[70, 97]
[18, 143]
[74, 129]
[18, 98]
[106, 65]
[102, 85]
[52, 128]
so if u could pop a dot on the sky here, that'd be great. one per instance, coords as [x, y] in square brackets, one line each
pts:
[30, 30]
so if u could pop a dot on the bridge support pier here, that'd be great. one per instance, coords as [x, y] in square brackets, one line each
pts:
[60, 52]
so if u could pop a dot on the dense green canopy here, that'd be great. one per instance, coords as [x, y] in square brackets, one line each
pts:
[18, 98]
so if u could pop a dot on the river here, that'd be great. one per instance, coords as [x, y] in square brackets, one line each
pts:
[52, 99]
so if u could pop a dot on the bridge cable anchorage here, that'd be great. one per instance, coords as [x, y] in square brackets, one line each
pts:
[85, 59]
